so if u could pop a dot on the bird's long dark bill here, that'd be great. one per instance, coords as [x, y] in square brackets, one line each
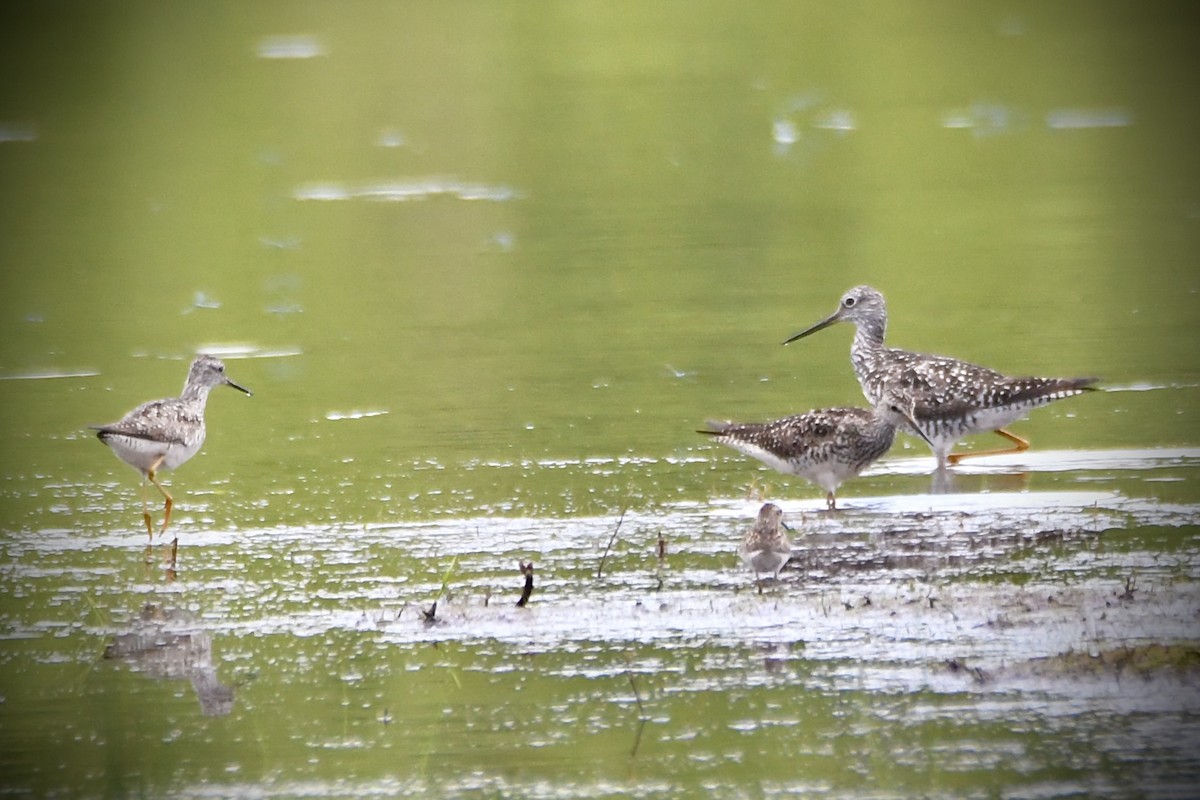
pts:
[239, 388]
[825, 323]
[911, 421]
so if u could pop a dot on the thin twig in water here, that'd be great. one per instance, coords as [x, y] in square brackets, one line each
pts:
[636, 695]
[611, 539]
[642, 718]
[637, 739]
[527, 571]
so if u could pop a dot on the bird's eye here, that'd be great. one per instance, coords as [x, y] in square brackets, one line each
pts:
[848, 302]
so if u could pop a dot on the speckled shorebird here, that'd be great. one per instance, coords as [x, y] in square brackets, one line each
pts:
[826, 446]
[162, 434]
[765, 547]
[952, 398]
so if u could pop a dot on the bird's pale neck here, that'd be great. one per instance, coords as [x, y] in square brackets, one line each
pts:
[884, 424]
[869, 331]
[868, 345]
[196, 394]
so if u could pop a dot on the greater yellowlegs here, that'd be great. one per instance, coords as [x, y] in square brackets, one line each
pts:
[952, 398]
[162, 434]
[826, 446]
[765, 547]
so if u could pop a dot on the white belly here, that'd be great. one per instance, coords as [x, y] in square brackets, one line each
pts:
[764, 560]
[826, 474]
[143, 454]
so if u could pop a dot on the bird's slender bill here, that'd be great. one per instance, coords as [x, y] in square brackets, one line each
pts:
[825, 323]
[239, 388]
[911, 420]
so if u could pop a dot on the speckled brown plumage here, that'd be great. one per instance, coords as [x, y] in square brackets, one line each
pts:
[826, 446]
[765, 548]
[952, 398]
[163, 434]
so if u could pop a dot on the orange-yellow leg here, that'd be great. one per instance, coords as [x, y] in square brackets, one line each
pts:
[170, 501]
[1019, 445]
[146, 511]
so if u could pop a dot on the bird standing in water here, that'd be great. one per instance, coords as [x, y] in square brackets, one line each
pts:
[952, 398]
[162, 434]
[765, 547]
[826, 446]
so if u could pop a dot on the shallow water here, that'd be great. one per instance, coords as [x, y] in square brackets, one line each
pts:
[913, 635]
[486, 269]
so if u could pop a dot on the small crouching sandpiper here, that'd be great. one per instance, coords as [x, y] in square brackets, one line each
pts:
[826, 446]
[162, 434]
[952, 398]
[765, 547]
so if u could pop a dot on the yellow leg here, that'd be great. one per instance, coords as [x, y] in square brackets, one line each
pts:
[146, 511]
[170, 501]
[1019, 445]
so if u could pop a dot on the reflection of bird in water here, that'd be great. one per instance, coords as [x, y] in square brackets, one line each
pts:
[952, 398]
[162, 434]
[162, 646]
[826, 446]
[765, 547]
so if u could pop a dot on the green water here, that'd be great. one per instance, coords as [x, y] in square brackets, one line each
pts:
[486, 267]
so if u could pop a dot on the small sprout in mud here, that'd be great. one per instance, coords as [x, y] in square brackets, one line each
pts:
[662, 547]
[527, 571]
[386, 717]
[431, 615]
[1130, 588]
